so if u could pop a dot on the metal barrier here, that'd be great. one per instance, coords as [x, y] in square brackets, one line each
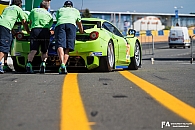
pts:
[148, 34]
[185, 56]
[192, 41]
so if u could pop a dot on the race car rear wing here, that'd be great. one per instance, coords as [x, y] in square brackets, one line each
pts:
[98, 23]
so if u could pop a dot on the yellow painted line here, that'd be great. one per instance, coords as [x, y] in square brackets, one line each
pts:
[182, 109]
[73, 116]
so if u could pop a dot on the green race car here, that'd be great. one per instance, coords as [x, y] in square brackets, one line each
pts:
[101, 48]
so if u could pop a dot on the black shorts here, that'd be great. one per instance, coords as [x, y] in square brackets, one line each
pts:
[5, 39]
[40, 37]
[65, 35]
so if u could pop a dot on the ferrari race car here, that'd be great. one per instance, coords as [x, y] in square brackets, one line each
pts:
[101, 48]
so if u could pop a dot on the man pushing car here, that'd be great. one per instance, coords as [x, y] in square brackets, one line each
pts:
[7, 20]
[65, 32]
[40, 22]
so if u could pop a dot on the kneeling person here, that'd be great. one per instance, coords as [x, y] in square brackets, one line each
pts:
[41, 22]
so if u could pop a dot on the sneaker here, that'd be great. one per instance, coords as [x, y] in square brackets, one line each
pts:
[42, 68]
[6, 68]
[62, 69]
[29, 69]
[1, 71]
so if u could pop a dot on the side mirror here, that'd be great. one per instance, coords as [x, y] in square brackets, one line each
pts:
[131, 32]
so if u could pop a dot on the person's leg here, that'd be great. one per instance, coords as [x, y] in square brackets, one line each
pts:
[70, 41]
[45, 34]
[6, 68]
[44, 56]
[1, 57]
[31, 55]
[43, 63]
[61, 54]
[34, 45]
[60, 36]
[66, 55]
[5, 43]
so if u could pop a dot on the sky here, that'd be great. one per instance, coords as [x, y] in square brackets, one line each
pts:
[139, 6]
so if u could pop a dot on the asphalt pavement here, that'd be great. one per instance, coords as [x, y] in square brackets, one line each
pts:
[110, 101]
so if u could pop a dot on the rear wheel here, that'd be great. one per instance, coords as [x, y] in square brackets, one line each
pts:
[136, 59]
[106, 63]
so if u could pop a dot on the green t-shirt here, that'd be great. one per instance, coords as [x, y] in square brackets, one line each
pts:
[10, 15]
[40, 18]
[25, 17]
[67, 15]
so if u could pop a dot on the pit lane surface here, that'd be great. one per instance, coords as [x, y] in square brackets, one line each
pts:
[99, 101]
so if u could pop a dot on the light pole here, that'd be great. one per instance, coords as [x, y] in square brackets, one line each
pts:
[176, 14]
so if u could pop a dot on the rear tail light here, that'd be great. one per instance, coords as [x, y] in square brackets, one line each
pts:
[94, 35]
[19, 36]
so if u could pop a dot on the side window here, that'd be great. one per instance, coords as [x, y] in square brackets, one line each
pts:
[108, 27]
[111, 29]
[117, 32]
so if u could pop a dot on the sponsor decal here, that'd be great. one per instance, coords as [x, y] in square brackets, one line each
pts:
[97, 53]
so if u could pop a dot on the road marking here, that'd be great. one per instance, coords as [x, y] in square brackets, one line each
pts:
[73, 116]
[182, 109]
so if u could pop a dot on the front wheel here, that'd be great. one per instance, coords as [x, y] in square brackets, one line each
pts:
[136, 59]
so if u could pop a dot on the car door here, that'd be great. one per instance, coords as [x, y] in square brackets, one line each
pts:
[109, 27]
[119, 42]
[122, 43]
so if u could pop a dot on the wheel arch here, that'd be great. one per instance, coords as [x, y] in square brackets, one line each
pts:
[132, 46]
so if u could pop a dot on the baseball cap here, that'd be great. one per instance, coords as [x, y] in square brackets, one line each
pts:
[68, 3]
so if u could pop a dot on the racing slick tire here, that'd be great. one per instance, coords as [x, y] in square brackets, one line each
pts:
[107, 63]
[136, 59]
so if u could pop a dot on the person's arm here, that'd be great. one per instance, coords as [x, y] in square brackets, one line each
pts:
[21, 16]
[13, 32]
[25, 24]
[80, 26]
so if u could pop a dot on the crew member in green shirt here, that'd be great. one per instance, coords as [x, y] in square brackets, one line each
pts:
[40, 22]
[7, 20]
[65, 32]
[16, 28]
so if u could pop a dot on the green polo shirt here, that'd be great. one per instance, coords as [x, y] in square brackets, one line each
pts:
[40, 18]
[10, 15]
[67, 15]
